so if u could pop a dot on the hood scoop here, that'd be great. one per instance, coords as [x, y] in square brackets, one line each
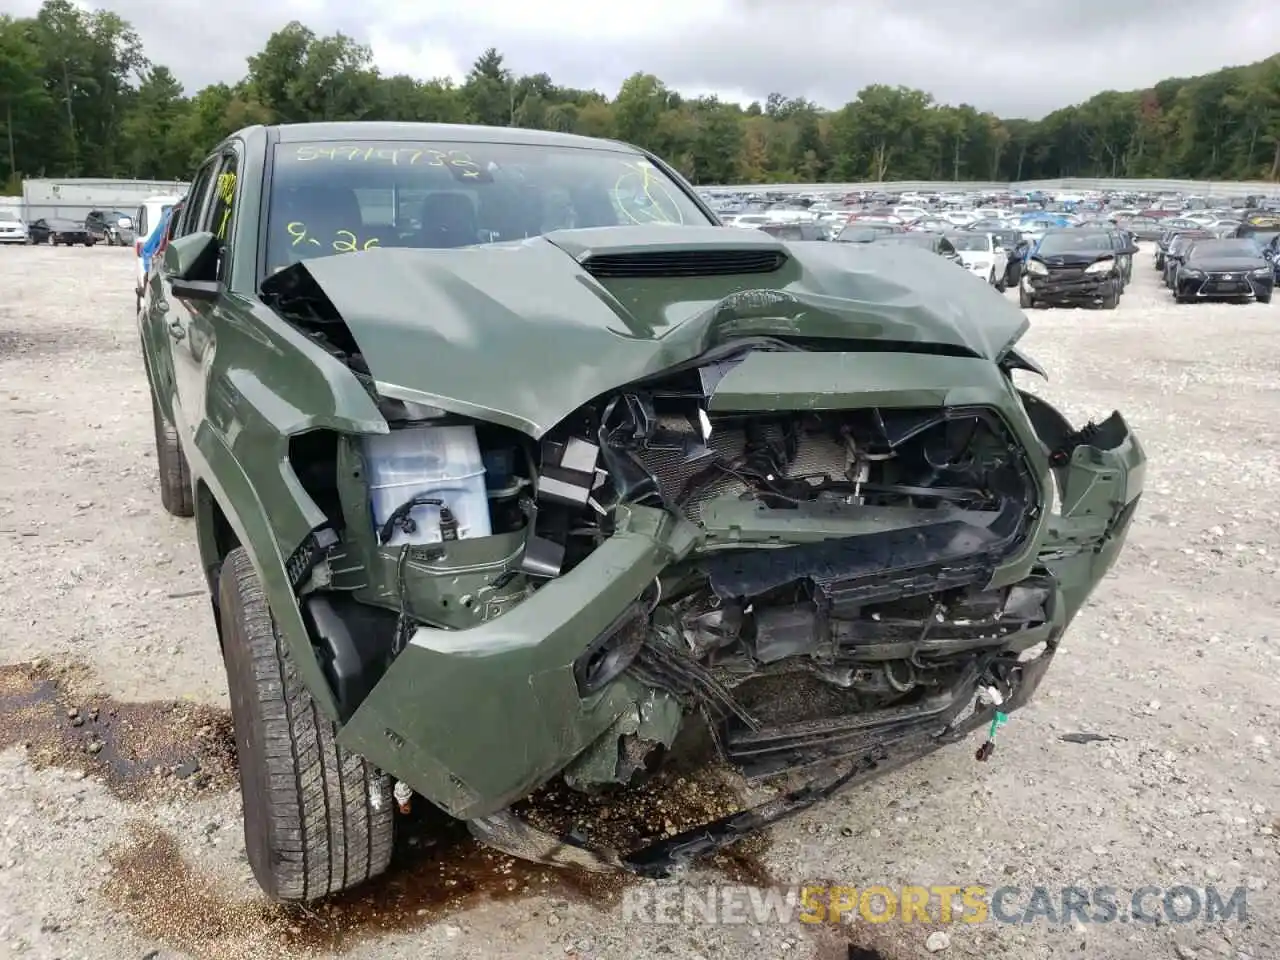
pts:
[682, 263]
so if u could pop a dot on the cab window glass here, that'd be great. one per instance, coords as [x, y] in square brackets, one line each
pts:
[200, 189]
[328, 198]
[222, 206]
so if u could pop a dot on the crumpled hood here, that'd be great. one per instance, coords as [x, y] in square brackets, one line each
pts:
[523, 334]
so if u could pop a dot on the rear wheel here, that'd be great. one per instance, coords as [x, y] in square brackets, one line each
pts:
[171, 464]
[317, 819]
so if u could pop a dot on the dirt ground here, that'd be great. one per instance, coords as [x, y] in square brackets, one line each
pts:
[119, 817]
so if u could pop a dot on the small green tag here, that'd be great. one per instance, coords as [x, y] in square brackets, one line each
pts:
[998, 721]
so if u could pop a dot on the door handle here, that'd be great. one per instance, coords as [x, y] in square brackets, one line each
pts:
[176, 329]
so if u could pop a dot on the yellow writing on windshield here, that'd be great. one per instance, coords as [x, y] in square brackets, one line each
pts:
[340, 241]
[458, 160]
[643, 197]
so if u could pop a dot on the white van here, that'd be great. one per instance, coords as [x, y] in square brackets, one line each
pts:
[149, 216]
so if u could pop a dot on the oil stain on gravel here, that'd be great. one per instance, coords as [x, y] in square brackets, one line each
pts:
[168, 750]
[139, 750]
[438, 871]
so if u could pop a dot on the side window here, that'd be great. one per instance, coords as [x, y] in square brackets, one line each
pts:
[946, 248]
[219, 217]
[196, 197]
[140, 222]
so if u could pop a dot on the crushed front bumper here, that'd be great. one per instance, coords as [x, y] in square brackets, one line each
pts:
[1076, 289]
[510, 682]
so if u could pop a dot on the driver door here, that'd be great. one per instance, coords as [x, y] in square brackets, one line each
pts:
[191, 323]
[167, 321]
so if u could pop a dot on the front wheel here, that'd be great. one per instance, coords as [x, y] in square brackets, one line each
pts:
[1263, 298]
[1025, 300]
[317, 819]
[1111, 300]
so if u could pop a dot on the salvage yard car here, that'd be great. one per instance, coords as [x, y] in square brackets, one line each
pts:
[486, 502]
[12, 229]
[60, 231]
[982, 256]
[1233, 269]
[1073, 267]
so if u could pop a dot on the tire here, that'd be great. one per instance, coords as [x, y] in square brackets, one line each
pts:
[1263, 298]
[171, 465]
[1025, 300]
[1111, 300]
[317, 820]
[1160, 263]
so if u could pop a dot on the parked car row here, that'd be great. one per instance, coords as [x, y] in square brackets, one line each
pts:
[112, 227]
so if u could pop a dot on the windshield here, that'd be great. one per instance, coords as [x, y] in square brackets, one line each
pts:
[1073, 242]
[1261, 236]
[860, 234]
[963, 241]
[926, 240]
[1226, 248]
[331, 198]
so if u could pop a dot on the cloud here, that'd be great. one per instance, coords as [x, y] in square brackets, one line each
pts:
[1019, 58]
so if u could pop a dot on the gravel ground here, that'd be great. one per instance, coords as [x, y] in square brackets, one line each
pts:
[119, 821]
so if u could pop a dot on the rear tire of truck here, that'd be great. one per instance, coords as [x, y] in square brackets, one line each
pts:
[317, 819]
[171, 465]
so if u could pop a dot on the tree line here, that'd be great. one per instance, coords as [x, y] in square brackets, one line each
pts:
[80, 98]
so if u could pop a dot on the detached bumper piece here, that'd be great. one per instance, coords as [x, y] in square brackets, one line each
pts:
[901, 738]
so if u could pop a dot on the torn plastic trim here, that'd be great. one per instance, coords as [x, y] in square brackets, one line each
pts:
[1013, 359]
[660, 860]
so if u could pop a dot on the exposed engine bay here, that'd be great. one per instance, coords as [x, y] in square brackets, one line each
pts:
[863, 595]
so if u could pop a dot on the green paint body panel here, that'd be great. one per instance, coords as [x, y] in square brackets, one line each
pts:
[438, 327]
[476, 714]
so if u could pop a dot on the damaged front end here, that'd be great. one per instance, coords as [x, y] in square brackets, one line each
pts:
[822, 559]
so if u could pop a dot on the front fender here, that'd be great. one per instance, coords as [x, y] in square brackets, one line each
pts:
[264, 384]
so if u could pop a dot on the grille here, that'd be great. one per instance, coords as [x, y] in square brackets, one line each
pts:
[817, 454]
[683, 263]
[1066, 273]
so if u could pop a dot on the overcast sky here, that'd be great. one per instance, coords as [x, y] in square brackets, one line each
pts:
[1014, 57]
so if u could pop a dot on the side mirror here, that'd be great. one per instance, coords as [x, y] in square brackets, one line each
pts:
[191, 263]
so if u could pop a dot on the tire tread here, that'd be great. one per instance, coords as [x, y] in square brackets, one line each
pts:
[325, 818]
